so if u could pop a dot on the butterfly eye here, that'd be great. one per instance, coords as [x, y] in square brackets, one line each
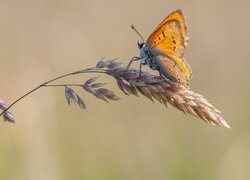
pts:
[140, 45]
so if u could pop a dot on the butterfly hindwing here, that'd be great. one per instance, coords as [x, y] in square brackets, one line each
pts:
[170, 69]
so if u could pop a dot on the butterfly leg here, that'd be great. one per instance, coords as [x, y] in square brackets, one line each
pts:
[132, 60]
[140, 70]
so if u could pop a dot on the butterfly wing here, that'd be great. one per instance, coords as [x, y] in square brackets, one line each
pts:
[169, 69]
[170, 38]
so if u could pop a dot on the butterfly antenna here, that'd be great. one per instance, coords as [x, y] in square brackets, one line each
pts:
[133, 27]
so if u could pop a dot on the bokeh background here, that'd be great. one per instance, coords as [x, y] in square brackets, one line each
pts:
[132, 138]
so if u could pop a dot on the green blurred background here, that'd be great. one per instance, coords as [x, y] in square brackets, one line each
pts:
[131, 138]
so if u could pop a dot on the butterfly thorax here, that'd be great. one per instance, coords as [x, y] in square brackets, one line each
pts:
[144, 54]
[147, 56]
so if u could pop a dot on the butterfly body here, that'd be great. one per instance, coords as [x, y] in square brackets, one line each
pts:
[163, 50]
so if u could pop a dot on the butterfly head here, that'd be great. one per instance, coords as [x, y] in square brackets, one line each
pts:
[140, 45]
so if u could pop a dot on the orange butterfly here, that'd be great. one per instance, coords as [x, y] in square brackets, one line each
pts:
[163, 50]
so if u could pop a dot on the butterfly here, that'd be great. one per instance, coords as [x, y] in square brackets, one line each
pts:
[163, 50]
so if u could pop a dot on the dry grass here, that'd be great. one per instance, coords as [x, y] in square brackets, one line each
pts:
[128, 80]
[163, 90]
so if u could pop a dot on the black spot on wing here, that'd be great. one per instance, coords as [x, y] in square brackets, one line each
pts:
[163, 34]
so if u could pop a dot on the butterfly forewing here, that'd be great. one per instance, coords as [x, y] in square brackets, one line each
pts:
[168, 39]
[174, 16]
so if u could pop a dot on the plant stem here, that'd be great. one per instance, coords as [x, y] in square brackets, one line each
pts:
[88, 70]
[61, 85]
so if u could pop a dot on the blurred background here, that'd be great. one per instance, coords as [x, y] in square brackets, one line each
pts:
[132, 138]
